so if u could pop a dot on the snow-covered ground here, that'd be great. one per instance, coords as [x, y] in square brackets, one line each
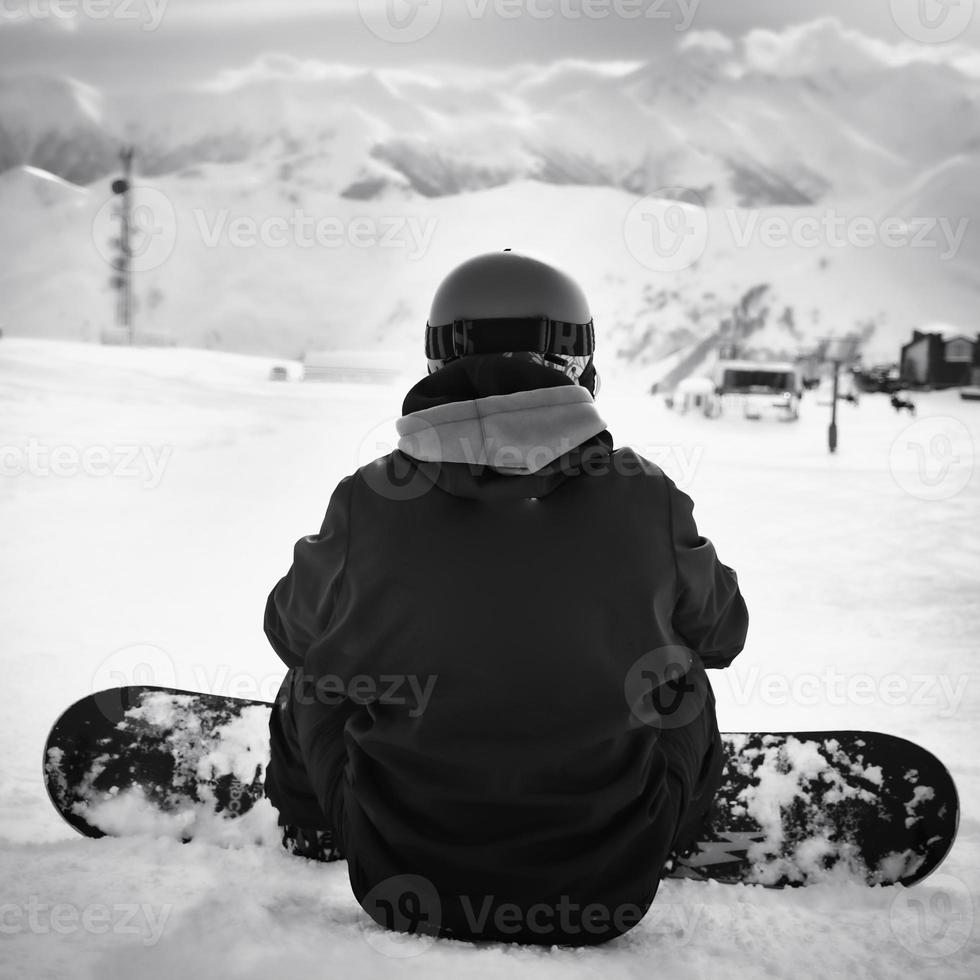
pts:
[150, 500]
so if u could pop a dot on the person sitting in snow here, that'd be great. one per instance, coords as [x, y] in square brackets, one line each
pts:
[496, 707]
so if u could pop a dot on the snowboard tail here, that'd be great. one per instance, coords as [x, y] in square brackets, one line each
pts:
[793, 808]
[796, 807]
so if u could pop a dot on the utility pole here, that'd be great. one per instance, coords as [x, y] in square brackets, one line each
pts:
[832, 431]
[839, 350]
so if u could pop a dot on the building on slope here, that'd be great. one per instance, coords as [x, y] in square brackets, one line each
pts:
[931, 360]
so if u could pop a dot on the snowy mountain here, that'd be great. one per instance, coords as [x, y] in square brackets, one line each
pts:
[55, 124]
[581, 161]
[696, 118]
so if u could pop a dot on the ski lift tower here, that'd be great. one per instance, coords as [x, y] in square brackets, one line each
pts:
[122, 280]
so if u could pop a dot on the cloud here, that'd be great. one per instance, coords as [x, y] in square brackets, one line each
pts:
[525, 75]
[816, 45]
[278, 66]
[713, 42]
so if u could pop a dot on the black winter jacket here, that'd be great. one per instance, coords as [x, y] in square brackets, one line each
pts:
[473, 610]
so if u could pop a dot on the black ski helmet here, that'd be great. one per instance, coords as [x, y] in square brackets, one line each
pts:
[507, 302]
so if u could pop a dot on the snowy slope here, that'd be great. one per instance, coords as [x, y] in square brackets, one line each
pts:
[284, 288]
[29, 189]
[858, 569]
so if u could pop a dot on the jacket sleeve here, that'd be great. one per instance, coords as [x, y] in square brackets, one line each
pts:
[299, 607]
[709, 613]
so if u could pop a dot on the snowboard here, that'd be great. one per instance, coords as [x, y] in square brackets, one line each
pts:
[793, 808]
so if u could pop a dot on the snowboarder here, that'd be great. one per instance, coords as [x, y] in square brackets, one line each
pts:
[496, 706]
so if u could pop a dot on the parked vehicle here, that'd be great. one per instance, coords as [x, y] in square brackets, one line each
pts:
[696, 395]
[758, 389]
[880, 377]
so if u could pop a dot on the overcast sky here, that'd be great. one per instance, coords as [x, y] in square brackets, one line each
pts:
[159, 42]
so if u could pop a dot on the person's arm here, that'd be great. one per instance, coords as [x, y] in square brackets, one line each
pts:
[710, 613]
[299, 607]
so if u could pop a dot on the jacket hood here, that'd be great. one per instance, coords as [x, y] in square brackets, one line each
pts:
[501, 426]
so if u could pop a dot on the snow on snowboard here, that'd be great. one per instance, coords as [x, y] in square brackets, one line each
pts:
[793, 808]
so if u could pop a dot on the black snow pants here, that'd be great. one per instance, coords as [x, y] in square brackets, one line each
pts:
[308, 789]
